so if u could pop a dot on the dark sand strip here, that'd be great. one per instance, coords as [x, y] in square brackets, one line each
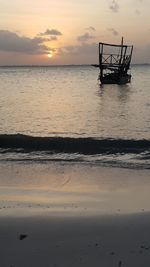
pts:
[107, 241]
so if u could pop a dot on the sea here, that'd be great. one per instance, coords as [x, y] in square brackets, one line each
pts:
[63, 113]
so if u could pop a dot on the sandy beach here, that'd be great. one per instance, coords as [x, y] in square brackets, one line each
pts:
[94, 241]
[49, 216]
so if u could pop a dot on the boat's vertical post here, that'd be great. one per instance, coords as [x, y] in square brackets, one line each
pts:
[99, 55]
[121, 51]
[124, 60]
[100, 60]
[125, 51]
[129, 61]
[131, 52]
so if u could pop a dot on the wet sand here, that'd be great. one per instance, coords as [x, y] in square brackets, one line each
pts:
[73, 215]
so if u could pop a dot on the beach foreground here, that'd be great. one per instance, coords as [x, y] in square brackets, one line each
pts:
[107, 241]
[66, 215]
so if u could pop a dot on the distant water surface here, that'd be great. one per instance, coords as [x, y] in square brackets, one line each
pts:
[68, 102]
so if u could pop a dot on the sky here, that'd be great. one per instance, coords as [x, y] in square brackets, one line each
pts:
[45, 32]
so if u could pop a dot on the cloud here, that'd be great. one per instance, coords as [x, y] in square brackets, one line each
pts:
[53, 32]
[85, 37]
[83, 53]
[137, 11]
[138, 4]
[83, 49]
[12, 42]
[91, 28]
[53, 38]
[114, 6]
[113, 31]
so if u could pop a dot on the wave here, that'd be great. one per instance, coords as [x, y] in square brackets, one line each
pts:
[86, 146]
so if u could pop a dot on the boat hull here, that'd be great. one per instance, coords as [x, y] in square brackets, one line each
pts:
[115, 79]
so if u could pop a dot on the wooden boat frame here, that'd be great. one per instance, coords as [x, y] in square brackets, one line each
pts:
[114, 67]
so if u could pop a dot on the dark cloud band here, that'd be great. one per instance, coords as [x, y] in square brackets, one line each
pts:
[52, 32]
[12, 42]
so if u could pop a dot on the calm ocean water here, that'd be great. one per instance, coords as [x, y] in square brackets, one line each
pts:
[68, 102]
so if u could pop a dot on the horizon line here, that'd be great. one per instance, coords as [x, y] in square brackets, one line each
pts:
[57, 65]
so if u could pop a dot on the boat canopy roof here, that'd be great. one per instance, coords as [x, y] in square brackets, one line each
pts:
[116, 45]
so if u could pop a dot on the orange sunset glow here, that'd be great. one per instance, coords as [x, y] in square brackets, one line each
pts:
[49, 55]
[71, 29]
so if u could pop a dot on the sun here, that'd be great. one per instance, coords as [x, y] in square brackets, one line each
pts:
[49, 55]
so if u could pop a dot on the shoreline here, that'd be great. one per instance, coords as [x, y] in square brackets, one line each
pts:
[54, 188]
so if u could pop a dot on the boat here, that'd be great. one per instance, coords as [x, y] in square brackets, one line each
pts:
[114, 63]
